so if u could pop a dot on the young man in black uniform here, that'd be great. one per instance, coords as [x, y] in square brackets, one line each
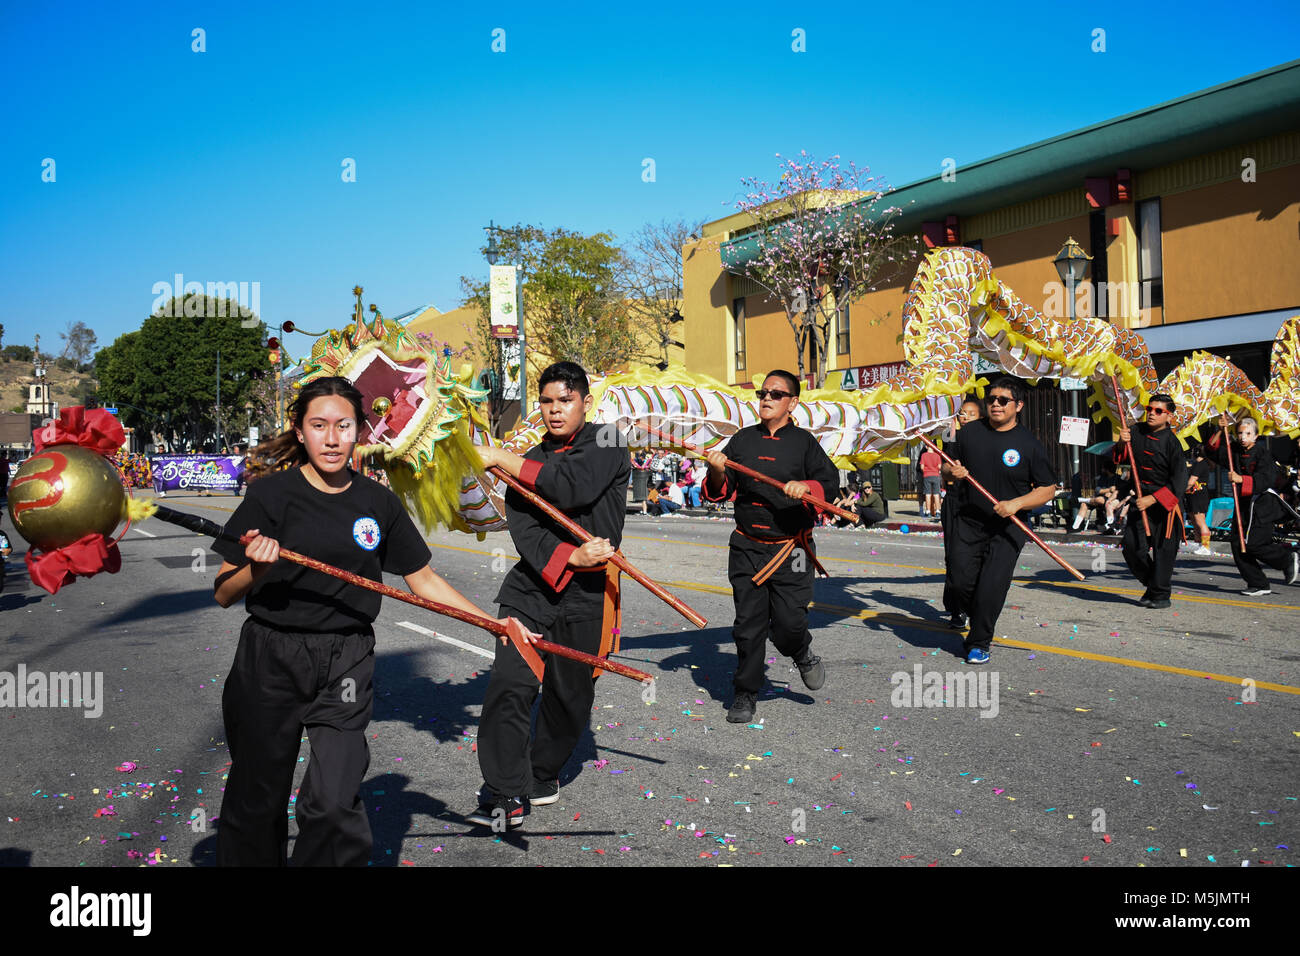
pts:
[971, 411]
[566, 592]
[1256, 473]
[1162, 475]
[772, 558]
[1011, 464]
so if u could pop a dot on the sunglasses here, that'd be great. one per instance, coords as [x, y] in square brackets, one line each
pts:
[1157, 410]
[774, 393]
[1000, 400]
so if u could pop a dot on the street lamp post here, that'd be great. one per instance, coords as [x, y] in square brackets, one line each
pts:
[1072, 265]
[492, 254]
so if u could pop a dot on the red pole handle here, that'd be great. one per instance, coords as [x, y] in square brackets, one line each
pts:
[1236, 498]
[1132, 459]
[1014, 518]
[486, 623]
[620, 562]
[756, 475]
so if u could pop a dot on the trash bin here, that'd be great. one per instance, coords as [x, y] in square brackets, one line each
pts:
[640, 483]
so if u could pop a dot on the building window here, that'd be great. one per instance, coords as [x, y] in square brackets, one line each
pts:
[1150, 270]
[842, 330]
[738, 312]
[1098, 267]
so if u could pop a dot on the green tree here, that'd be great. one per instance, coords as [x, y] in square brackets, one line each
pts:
[19, 353]
[164, 376]
[575, 302]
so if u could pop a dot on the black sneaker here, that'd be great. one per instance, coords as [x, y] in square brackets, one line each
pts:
[1158, 604]
[1144, 601]
[958, 621]
[742, 708]
[812, 670]
[499, 812]
[545, 792]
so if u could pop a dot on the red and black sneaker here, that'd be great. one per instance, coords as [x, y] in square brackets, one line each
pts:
[499, 813]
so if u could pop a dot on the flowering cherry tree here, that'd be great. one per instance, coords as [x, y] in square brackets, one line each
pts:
[824, 235]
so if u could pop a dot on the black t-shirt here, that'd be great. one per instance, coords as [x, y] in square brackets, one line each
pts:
[1008, 464]
[363, 529]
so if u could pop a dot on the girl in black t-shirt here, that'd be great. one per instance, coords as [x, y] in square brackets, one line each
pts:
[306, 652]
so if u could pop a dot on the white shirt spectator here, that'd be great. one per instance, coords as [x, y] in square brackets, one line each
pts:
[675, 494]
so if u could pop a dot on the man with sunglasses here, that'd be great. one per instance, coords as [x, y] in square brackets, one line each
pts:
[771, 556]
[1161, 473]
[1011, 464]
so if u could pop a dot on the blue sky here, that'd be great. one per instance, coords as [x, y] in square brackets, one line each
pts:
[226, 165]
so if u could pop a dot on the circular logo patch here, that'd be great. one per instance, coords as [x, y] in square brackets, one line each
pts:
[1011, 458]
[365, 531]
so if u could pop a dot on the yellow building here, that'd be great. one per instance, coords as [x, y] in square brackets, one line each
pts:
[1189, 209]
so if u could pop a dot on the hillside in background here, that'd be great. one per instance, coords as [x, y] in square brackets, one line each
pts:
[67, 387]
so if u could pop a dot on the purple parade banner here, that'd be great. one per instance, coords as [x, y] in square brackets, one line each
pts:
[198, 472]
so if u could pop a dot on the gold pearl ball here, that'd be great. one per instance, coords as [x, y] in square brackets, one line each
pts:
[64, 493]
[381, 406]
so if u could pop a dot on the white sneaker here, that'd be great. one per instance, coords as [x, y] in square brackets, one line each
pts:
[1202, 550]
[1260, 592]
[1078, 520]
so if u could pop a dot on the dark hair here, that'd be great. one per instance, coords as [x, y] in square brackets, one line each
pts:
[788, 376]
[1167, 399]
[284, 450]
[972, 400]
[1013, 385]
[570, 374]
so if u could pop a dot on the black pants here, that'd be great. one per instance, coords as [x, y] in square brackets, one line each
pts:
[280, 683]
[777, 608]
[868, 516]
[509, 756]
[981, 561]
[1151, 561]
[1260, 546]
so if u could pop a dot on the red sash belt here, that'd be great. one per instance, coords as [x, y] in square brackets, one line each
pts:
[611, 623]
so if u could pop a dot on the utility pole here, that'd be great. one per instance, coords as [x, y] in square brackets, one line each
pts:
[218, 449]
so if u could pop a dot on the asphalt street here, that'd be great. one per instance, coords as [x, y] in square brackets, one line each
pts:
[1105, 734]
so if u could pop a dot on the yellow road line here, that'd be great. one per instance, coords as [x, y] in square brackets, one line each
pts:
[866, 614]
[937, 569]
[1144, 665]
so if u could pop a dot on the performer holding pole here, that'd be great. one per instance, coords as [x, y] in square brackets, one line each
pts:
[570, 593]
[1011, 464]
[1121, 405]
[1160, 474]
[306, 654]
[1255, 472]
[772, 556]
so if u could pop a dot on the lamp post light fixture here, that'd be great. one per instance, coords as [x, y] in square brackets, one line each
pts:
[1072, 265]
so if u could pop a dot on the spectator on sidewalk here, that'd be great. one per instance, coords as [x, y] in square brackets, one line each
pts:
[667, 499]
[931, 484]
[870, 506]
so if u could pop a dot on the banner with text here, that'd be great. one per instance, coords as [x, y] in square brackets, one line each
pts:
[198, 472]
